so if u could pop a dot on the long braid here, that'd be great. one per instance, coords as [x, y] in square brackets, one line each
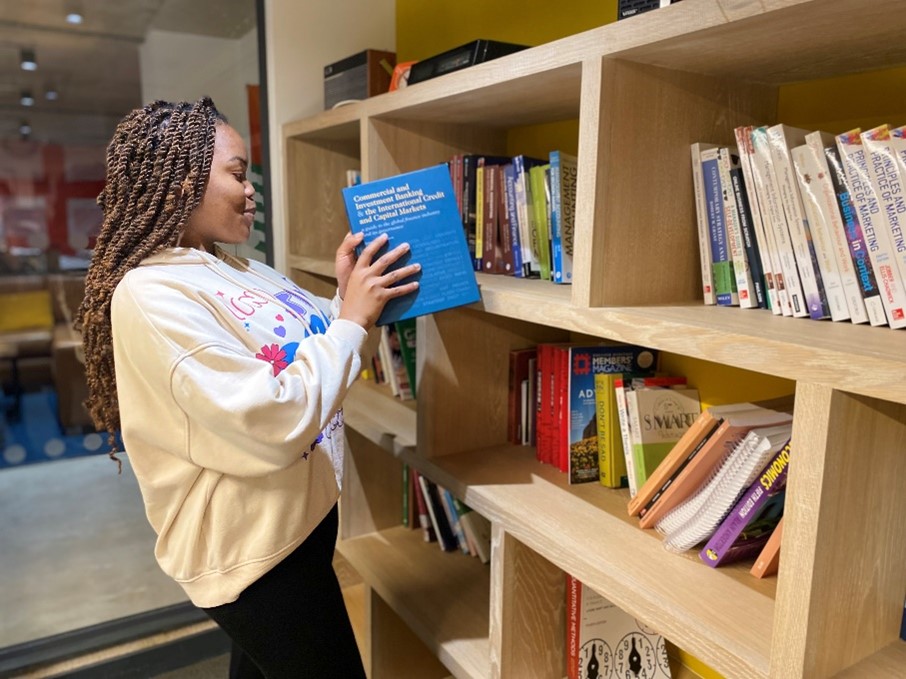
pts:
[158, 163]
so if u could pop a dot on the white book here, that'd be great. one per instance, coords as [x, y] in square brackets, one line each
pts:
[626, 436]
[787, 277]
[782, 138]
[728, 161]
[855, 166]
[828, 216]
[701, 213]
[807, 169]
[695, 520]
[887, 182]
[765, 245]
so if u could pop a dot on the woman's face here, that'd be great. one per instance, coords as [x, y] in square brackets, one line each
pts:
[227, 208]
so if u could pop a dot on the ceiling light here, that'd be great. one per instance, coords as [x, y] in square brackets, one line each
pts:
[51, 94]
[25, 129]
[27, 59]
[27, 99]
[74, 13]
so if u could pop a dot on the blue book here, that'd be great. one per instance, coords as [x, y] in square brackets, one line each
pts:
[722, 265]
[418, 208]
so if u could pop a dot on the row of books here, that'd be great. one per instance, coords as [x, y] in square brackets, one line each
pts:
[443, 518]
[721, 486]
[394, 362]
[518, 213]
[805, 223]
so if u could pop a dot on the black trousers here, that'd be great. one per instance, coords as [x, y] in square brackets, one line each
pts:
[292, 623]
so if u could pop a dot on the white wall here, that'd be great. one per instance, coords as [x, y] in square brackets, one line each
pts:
[184, 67]
[302, 38]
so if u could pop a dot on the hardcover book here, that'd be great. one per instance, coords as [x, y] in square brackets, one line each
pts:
[721, 261]
[603, 640]
[418, 208]
[564, 168]
[768, 560]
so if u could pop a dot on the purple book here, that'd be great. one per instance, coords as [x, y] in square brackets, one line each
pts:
[769, 485]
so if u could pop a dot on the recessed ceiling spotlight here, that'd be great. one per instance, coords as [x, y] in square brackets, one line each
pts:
[27, 99]
[27, 59]
[74, 13]
[51, 94]
[24, 129]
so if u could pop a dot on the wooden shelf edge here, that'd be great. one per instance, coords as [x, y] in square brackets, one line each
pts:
[315, 265]
[624, 563]
[855, 358]
[417, 580]
[380, 417]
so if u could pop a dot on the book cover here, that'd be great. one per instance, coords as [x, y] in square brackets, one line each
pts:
[538, 191]
[701, 214]
[807, 170]
[829, 218]
[858, 248]
[768, 560]
[781, 139]
[619, 390]
[602, 640]
[735, 426]
[880, 250]
[755, 193]
[453, 518]
[611, 460]
[749, 239]
[564, 169]
[512, 218]
[661, 416]
[748, 509]
[418, 208]
[584, 362]
[442, 529]
[507, 263]
[479, 528]
[721, 263]
[421, 506]
[522, 194]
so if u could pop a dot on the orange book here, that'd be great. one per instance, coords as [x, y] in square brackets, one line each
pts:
[769, 559]
[727, 436]
[682, 453]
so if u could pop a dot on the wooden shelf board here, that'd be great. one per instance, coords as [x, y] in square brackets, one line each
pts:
[890, 661]
[855, 358]
[586, 531]
[373, 411]
[340, 123]
[443, 596]
[315, 265]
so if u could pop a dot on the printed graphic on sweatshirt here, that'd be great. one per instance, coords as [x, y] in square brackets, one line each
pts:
[335, 423]
[314, 321]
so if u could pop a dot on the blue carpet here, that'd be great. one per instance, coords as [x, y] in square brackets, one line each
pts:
[38, 437]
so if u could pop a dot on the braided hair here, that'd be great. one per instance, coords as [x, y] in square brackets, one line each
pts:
[158, 163]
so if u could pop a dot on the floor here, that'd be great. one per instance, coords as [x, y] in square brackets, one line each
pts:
[77, 550]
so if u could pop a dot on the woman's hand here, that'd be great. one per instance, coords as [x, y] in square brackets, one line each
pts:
[345, 261]
[368, 287]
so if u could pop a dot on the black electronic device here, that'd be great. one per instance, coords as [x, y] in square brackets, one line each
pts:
[358, 77]
[475, 52]
[629, 8]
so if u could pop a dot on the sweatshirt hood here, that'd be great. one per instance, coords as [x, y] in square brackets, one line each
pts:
[181, 256]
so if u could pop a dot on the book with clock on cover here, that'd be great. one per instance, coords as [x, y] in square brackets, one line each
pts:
[602, 640]
[418, 208]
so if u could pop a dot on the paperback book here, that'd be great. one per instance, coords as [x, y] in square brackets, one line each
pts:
[418, 208]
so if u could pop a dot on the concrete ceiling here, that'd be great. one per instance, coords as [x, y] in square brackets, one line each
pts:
[93, 66]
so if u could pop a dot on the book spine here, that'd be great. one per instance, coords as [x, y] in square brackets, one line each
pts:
[727, 163]
[857, 247]
[855, 166]
[807, 171]
[573, 607]
[509, 175]
[611, 462]
[555, 226]
[800, 237]
[769, 558]
[829, 209]
[769, 482]
[752, 257]
[506, 260]
[625, 434]
[755, 201]
[888, 185]
[721, 264]
[701, 213]
[541, 231]
[522, 192]
[788, 281]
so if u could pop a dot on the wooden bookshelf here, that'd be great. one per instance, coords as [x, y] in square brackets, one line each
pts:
[642, 90]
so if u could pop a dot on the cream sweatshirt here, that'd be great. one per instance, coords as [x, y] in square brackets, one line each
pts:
[230, 382]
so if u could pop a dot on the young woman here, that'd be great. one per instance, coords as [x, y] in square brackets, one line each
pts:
[226, 382]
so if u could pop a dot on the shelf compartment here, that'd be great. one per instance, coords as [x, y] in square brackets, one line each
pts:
[585, 530]
[375, 413]
[888, 662]
[443, 596]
